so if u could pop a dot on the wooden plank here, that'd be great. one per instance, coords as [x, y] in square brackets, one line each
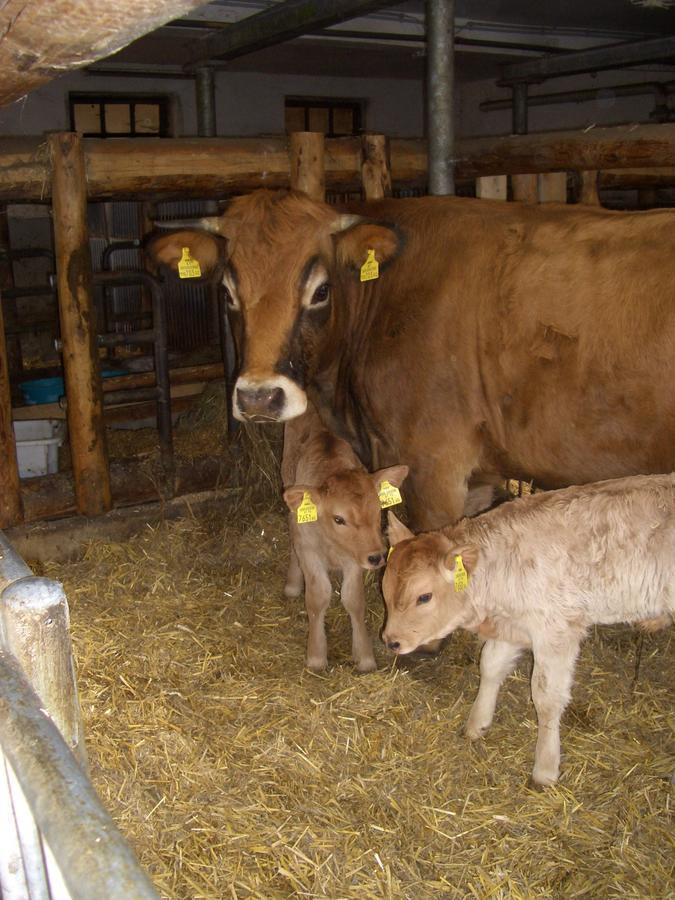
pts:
[589, 189]
[78, 328]
[525, 188]
[552, 187]
[375, 174]
[307, 166]
[41, 41]
[491, 187]
[11, 510]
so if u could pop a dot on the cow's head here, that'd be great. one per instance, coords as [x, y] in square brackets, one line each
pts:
[348, 511]
[282, 256]
[420, 594]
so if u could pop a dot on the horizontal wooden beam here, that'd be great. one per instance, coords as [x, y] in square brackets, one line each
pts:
[217, 167]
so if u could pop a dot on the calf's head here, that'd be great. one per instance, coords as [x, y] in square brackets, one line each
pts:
[280, 257]
[349, 513]
[419, 590]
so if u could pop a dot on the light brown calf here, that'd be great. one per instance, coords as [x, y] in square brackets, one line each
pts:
[541, 571]
[323, 476]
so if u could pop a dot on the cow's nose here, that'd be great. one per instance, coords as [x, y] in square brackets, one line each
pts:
[376, 559]
[393, 645]
[264, 403]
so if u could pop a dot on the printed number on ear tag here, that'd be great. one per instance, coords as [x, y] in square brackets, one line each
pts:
[188, 266]
[370, 270]
[389, 495]
[461, 575]
[307, 511]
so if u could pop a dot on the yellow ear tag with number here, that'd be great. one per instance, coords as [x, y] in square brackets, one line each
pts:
[188, 267]
[370, 270]
[307, 511]
[389, 495]
[461, 575]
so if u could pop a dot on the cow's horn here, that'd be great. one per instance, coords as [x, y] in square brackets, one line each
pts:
[342, 223]
[207, 223]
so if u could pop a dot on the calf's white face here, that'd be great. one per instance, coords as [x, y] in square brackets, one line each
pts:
[418, 587]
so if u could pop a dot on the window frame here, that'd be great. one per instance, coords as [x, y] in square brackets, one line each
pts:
[130, 100]
[329, 103]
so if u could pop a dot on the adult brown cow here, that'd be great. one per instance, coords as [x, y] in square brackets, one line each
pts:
[531, 341]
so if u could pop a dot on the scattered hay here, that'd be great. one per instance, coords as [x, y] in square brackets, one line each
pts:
[235, 772]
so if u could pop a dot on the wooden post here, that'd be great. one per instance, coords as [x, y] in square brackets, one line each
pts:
[11, 509]
[589, 188]
[35, 628]
[491, 187]
[375, 173]
[13, 343]
[308, 172]
[525, 188]
[552, 187]
[78, 329]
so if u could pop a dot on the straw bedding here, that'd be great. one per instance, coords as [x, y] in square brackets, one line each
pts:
[234, 772]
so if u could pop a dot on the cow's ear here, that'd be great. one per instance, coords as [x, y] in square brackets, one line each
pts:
[397, 531]
[395, 475]
[354, 245]
[468, 554]
[167, 250]
[293, 496]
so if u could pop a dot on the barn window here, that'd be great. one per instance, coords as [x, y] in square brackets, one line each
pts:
[335, 118]
[113, 115]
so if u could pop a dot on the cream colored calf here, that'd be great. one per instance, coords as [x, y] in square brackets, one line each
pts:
[536, 574]
[335, 525]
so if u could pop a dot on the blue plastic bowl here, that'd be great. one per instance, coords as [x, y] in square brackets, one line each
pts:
[50, 390]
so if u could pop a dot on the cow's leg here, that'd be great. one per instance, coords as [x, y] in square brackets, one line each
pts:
[435, 494]
[295, 581]
[552, 678]
[496, 661]
[317, 599]
[354, 601]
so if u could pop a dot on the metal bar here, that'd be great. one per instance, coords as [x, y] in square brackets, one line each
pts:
[440, 25]
[93, 857]
[164, 425]
[280, 23]
[615, 56]
[205, 95]
[520, 101]
[582, 96]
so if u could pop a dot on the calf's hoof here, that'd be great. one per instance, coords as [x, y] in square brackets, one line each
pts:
[366, 665]
[292, 590]
[541, 780]
[474, 732]
[316, 663]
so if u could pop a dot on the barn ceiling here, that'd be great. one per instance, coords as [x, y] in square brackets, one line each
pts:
[390, 41]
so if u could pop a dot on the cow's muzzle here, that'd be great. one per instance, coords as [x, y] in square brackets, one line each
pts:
[273, 400]
[261, 405]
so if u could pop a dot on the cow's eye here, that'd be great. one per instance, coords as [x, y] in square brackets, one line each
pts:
[424, 598]
[321, 294]
[339, 520]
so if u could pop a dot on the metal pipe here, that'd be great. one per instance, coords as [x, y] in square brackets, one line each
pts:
[586, 95]
[205, 93]
[93, 857]
[440, 32]
[519, 112]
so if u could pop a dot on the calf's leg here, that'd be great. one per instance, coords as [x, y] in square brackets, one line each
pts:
[552, 678]
[317, 599]
[496, 661]
[295, 581]
[354, 601]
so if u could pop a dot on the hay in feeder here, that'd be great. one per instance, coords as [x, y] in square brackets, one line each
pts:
[235, 772]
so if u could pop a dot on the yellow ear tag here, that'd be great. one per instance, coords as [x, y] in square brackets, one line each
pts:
[307, 511]
[461, 575]
[371, 267]
[188, 267]
[389, 495]
[389, 552]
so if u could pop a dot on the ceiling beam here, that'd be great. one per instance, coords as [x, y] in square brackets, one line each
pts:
[615, 56]
[277, 24]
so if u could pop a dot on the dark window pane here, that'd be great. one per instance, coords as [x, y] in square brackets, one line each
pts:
[147, 118]
[343, 120]
[295, 119]
[87, 117]
[318, 119]
[117, 118]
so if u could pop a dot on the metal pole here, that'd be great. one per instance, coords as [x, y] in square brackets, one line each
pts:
[440, 26]
[519, 91]
[205, 88]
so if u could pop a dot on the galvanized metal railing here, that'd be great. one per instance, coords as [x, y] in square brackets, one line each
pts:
[56, 839]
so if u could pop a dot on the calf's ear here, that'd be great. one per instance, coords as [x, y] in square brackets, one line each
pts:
[397, 531]
[294, 495]
[354, 245]
[395, 475]
[167, 250]
[470, 555]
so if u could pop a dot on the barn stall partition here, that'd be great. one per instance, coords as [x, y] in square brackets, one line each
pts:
[71, 172]
[58, 840]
